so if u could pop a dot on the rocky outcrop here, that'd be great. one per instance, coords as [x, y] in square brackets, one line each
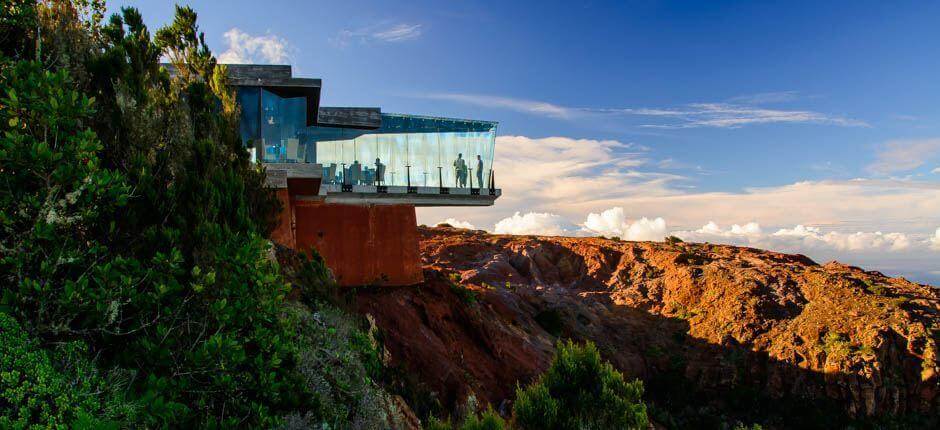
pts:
[721, 317]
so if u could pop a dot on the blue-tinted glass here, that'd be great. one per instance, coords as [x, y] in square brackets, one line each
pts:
[283, 129]
[249, 117]
[405, 150]
[409, 150]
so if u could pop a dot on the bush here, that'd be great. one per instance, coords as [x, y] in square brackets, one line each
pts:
[126, 228]
[672, 240]
[488, 420]
[33, 392]
[579, 391]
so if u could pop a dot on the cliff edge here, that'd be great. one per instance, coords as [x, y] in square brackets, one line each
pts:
[708, 326]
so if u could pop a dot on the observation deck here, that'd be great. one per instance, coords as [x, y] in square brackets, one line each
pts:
[359, 155]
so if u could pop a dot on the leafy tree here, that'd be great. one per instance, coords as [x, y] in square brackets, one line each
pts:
[580, 391]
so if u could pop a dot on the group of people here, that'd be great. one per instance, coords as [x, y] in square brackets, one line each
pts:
[355, 175]
[460, 165]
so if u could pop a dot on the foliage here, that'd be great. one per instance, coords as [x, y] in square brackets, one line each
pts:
[673, 240]
[488, 420]
[132, 228]
[580, 391]
[464, 294]
[339, 363]
[34, 392]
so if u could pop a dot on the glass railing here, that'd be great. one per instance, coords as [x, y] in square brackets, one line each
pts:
[410, 151]
[406, 150]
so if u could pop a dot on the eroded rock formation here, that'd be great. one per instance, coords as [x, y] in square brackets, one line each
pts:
[721, 317]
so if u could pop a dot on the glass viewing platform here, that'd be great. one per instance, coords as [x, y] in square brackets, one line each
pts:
[402, 151]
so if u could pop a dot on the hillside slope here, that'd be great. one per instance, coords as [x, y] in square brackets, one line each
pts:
[706, 326]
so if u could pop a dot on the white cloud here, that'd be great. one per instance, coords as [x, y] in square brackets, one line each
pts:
[572, 178]
[904, 155]
[694, 115]
[457, 223]
[726, 115]
[936, 171]
[544, 224]
[383, 33]
[399, 33]
[935, 240]
[244, 48]
[800, 238]
[613, 222]
[519, 105]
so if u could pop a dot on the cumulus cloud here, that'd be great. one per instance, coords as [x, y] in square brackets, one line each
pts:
[935, 240]
[613, 222]
[693, 115]
[799, 238]
[382, 33]
[243, 48]
[573, 178]
[535, 223]
[905, 155]
[457, 223]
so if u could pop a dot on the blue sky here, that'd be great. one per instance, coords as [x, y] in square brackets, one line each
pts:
[784, 114]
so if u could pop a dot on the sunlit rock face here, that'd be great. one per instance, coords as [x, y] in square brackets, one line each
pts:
[722, 318]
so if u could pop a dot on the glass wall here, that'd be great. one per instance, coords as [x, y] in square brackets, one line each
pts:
[405, 150]
[409, 150]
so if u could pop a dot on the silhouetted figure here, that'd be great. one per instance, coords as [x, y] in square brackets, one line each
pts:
[355, 172]
[379, 172]
[461, 166]
[479, 172]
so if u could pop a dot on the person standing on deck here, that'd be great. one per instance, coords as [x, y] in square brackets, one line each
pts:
[461, 167]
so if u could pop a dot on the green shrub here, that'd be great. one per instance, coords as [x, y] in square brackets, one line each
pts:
[672, 240]
[34, 393]
[125, 228]
[580, 391]
[464, 294]
[488, 420]
[836, 345]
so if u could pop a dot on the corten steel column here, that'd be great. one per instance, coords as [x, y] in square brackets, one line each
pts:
[364, 244]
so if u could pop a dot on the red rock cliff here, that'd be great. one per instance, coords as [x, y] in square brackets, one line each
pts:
[723, 317]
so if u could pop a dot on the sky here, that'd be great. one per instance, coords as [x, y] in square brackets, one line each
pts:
[809, 127]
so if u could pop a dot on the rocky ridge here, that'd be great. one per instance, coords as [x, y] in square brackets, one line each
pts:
[721, 320]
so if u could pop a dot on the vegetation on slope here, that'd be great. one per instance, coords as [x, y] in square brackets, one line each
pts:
[136, 284]
[578, 391]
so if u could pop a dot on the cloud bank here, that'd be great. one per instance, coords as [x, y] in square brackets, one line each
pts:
[575, 187]
[243, 48]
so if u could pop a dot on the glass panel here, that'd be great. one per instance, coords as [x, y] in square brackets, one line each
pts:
[416, 150]
[249, 117]
[283, 128]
